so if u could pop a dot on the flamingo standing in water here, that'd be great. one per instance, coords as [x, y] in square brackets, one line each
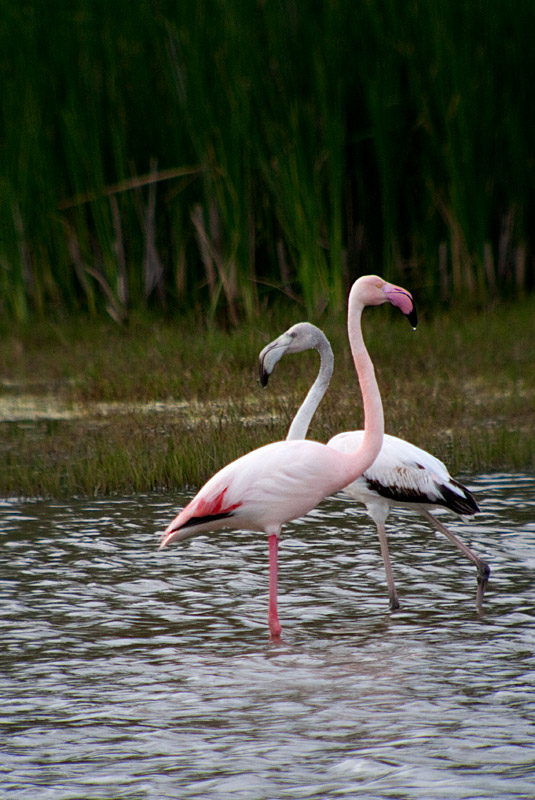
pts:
[401, 475]
[285, 480]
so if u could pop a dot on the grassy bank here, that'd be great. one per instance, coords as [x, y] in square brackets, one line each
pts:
[87, 407]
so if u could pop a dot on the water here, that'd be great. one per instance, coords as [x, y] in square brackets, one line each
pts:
[126, 672]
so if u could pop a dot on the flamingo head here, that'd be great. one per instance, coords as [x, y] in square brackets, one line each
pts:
[301, 336]
[371, 290]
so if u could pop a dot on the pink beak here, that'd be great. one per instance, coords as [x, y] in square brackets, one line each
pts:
[402, 299]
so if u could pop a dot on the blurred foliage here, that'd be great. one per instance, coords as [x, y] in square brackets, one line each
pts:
[218, 155]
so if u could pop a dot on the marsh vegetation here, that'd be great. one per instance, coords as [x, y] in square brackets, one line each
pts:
[94, 408]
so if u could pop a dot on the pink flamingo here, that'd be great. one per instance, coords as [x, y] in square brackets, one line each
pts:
[285, 480]
[401, 475]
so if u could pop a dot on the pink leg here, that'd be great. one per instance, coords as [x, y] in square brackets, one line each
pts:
[273, 618]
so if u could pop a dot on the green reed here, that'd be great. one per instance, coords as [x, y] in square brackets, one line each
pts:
[221, 154]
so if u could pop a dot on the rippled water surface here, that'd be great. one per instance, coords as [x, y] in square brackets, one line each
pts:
[130, 672]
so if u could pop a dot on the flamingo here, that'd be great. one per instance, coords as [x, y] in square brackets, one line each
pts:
[402, 474]
[282, 481]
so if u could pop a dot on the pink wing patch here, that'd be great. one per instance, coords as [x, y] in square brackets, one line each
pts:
[198, 511]
[211, 508]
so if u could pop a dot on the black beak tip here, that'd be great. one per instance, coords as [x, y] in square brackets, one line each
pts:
[264, 378]
[412, 316]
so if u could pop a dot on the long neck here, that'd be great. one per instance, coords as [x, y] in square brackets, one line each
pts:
[372, 441]
[299, 427]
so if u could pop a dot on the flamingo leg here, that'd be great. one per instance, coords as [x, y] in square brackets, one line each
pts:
[392, 594]
[273, 617]
[483, 569]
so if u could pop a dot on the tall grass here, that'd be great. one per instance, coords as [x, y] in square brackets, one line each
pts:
[159, 404]
[220, 153]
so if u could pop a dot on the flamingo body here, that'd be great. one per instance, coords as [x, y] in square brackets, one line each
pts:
[405, 475]
[263, 489]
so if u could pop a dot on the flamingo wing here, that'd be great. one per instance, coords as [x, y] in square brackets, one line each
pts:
[405, 474]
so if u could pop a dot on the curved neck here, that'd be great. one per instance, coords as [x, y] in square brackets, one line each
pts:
[363, 458]
[299, 427]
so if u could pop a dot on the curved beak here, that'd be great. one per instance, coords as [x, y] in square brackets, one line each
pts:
[269, 356]
[402, 299]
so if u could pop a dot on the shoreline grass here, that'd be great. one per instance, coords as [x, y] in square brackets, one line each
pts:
[162, 405]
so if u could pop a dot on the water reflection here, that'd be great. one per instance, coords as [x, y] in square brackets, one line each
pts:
[129, 672]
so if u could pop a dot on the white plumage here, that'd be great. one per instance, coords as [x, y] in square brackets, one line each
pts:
[405, 475]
